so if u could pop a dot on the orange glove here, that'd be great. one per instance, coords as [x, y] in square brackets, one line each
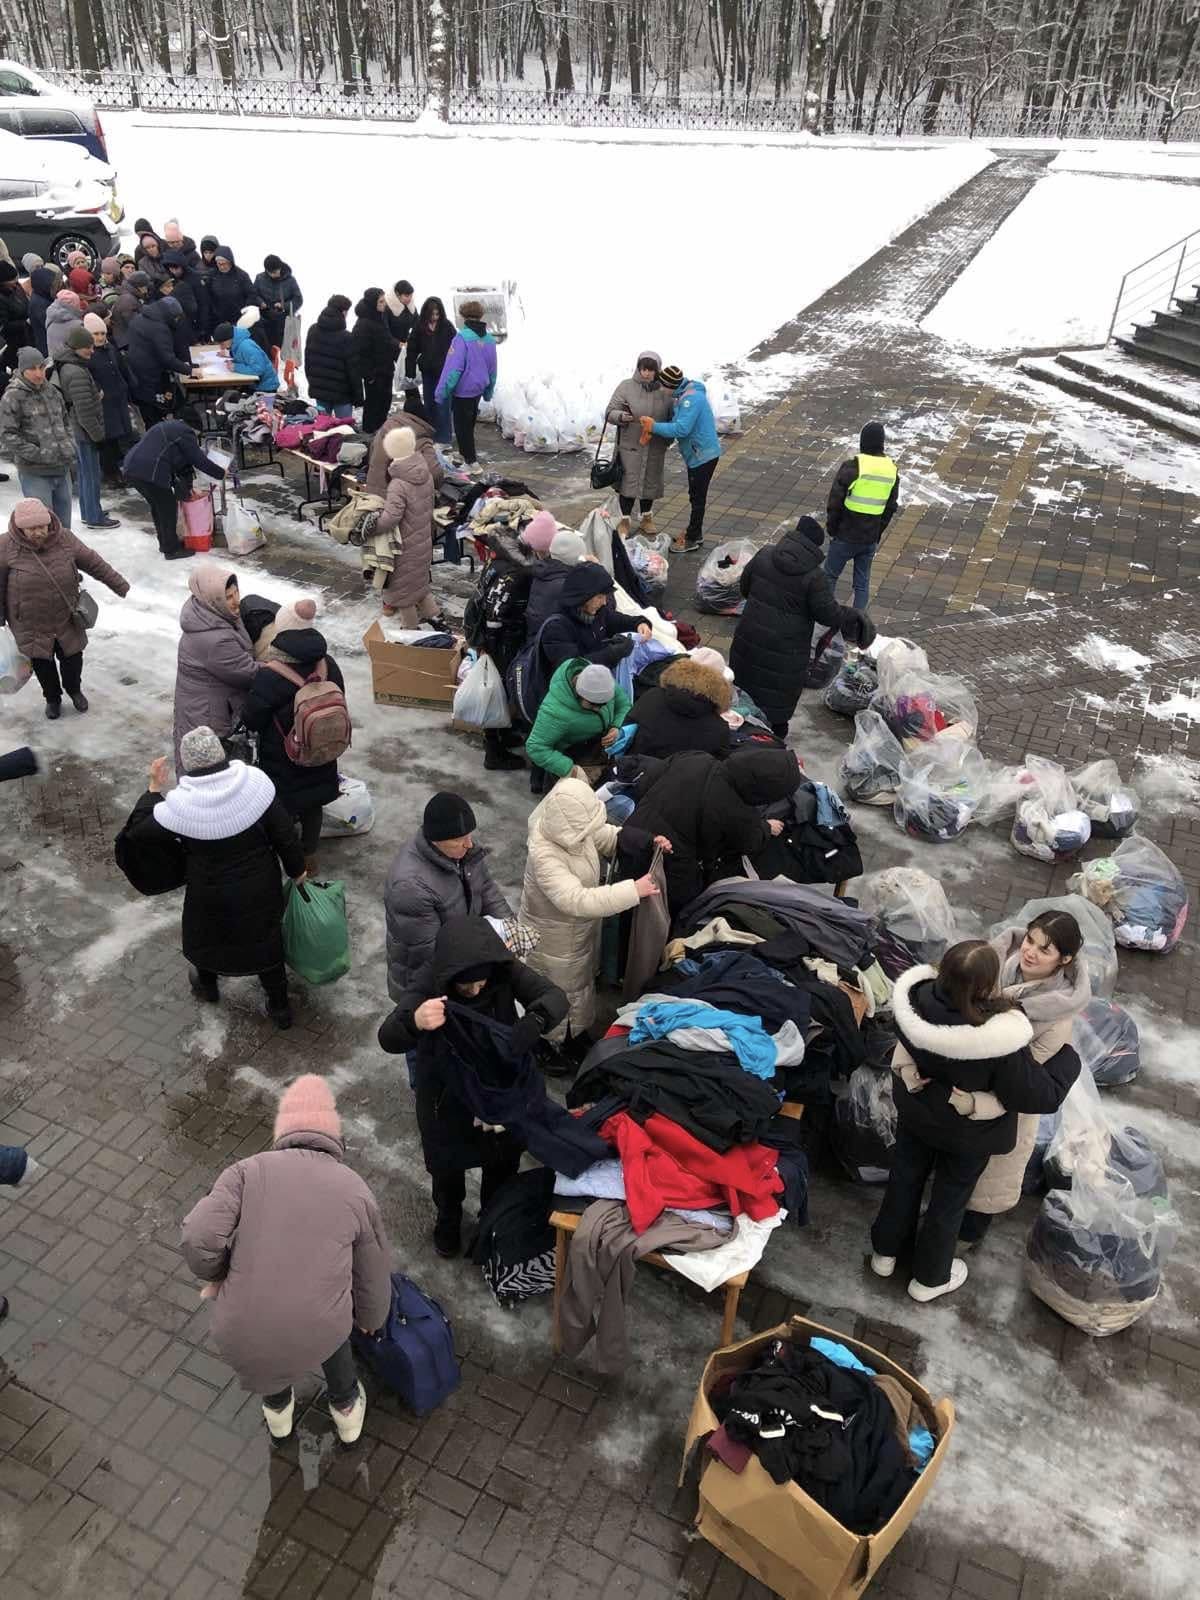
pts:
[647, 429]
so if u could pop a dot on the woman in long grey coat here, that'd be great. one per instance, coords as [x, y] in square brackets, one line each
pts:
[407, 516]
[641, 465]
[292, 1250]
[216, 664]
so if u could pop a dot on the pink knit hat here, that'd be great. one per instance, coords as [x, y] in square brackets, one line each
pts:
[299, 614]
[68, 297]
[307, 1106]
[30, 513]
[539, 533]
[95, 324]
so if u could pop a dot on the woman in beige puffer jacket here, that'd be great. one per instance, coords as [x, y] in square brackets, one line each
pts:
[407, 516]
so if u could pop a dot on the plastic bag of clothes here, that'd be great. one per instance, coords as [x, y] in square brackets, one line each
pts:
[827, 651]
[918, 706]
[941, 785]
[1099, 946]
[894, 658]
[1085, 1147]
[864, 1124]
[851, 691]
[913, 906]
[1034, 1180]
[870, 769]
[649, 558]
[1106, 1037]
[352, 812]
[1142, 892]
[1109, 805]
[1049, 825]
[717, 583]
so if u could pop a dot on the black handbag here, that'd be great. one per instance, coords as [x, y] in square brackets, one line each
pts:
[607, 474]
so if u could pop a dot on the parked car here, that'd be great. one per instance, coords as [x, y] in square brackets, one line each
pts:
[35, 108]
[44, 207]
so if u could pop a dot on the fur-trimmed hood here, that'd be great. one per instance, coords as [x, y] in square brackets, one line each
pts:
[929, 1026]
[704, 682]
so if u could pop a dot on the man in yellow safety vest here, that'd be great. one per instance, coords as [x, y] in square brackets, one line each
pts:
[862, 502]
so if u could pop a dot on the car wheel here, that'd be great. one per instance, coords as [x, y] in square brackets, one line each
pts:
[63, 247]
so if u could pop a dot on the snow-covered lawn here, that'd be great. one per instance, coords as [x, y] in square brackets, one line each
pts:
[1146, 160]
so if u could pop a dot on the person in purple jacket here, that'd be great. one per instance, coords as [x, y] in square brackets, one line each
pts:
[468, 377]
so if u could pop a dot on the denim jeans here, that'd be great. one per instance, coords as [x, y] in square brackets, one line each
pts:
[87, 472]
[53, 489]
[841, 551]
[343, 412]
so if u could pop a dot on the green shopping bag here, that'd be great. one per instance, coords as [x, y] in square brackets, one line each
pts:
[316, 940]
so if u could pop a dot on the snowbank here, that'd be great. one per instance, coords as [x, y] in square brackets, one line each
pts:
[1141, 160]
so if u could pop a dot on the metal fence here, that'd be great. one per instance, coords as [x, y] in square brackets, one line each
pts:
[403, 102]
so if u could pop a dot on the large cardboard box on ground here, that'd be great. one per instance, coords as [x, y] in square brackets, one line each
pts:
[775, 1531]
[409, 675]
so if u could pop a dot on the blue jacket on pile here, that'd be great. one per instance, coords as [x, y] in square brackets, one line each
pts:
[692, 425]
[249, 356]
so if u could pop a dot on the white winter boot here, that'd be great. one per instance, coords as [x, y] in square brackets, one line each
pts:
[923, 1291]
[349, 1424]
[279, 1423]
[882, 1266]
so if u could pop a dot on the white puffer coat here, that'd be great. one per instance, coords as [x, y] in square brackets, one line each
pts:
[563, 898]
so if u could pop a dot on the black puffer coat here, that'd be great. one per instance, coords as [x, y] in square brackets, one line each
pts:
[683, 713]
[707, 808]
[330, 368]
[568, 633]
[786, 593]
[229, 293]
[111, 372]
[270, 706]
[427, 350]
[496, 616]
[375, 351]
[41, 294]
[545, 588]
[153, 358]
[192, 295]
[15, 326]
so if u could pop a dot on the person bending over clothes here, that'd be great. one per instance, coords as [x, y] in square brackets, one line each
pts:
[956, 1032]
[576, 724]
[556, 550]
[587, 623]
[161, 467]
[683, 711]
[448, 1019]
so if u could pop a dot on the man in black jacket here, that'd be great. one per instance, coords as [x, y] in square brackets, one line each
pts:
[189, 289]
[862, 502]
[154, 359]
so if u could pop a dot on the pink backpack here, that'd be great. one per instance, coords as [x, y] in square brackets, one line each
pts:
[320, 730]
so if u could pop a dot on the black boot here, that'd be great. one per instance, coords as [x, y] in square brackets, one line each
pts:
[447, 1234]
[280, 1013]
[53, 710]
[203, 988]
[496, 758]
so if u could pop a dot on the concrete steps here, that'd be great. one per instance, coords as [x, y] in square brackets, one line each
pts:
[1091, 375]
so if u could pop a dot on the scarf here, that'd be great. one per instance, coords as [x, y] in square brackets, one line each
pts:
[216, 805]
[1046, 1000]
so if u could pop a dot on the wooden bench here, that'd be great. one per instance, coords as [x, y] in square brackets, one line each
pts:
[565, 1223]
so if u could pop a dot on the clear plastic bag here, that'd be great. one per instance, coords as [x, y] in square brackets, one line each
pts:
[1110, 806]
[1049, 824]
[864, 1124]
[1099, 946]
[1106, 1037]
[649, 559]
[851, 691]
[15, 670]
[913, 906]
[824, 667]
[1141, 890]
[895, 658]
[480, 700]
[870, 769]
[717, 583]
[918, 706]
[941, 786]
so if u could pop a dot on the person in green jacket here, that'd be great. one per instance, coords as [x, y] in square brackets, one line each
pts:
[582, 712]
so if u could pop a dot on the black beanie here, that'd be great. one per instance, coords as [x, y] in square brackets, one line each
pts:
[811, 529]
[222, 331]
[447, 816]
[870, 440]
[8, 273]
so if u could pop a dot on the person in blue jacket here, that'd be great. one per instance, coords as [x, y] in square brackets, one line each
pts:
[694, 430]
[248, 355]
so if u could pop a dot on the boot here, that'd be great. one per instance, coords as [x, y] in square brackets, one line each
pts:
[203, 989]
[349, 1422]
[447, 1235]
[279, 1423]
[280, 1013]
[497, 759]
[79, 700]
[623, 527]
[646, 525]
[53, 710]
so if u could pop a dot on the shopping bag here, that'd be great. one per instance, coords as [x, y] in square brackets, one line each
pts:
[290, 349]
[480, 700]
[197, 514]
[243, 531]
[352, 812]
[316, 940]
[15, 670]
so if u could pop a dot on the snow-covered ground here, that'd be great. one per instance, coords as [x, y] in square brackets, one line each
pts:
[1142, 160]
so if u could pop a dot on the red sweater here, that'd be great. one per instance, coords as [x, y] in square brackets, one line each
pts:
[665, 1166]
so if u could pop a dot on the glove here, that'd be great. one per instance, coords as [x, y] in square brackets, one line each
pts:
[526, 1034]
[859, 629]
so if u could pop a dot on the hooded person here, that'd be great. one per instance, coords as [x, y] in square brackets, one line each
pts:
[684, 711]
[694, 429]
[330, 367]
[161, 467]
[468, 377]
[425, 434]
[233, 837]
[188, 288]
[215, 665]
[407, 518]
[154, 359]
[540, 535]
[293, 1255]
[230, 290]
[65, 313]
[148, 258]
[85, 407]
[111, 373]
[14, 315]
[279, 292]
[36, 436]
[375, 353]
[299, 614]
[587, 623]
[787, 593]
[41, 297]
[439, 874]
[862, 502]
[128, 307]
[578, 719]
[470, 1050]
[248, 354]
[642, 466]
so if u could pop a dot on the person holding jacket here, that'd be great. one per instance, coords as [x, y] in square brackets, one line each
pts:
[862, 501]
[40, 566]
[955, 1032]
[577, 722]
[160, 467]
[292, 1252]
[407, 516]
[425, 353]
[786, 593]
[230, 290]
[36, 436]
[587, 623]
[683, 712]
[85, 407]
[641, 465]
[375, 354]
[154, 361]
[468, 377]
[215, 665]
[694, 430]
[330, 368]
[279, 292]
[472, 972]
[110, 371]
[439, 874]
[246, 352]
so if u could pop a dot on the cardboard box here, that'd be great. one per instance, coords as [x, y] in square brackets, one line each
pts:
[775, 1531]
[407, 675]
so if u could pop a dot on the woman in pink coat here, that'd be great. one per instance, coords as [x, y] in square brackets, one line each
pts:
[407, 516]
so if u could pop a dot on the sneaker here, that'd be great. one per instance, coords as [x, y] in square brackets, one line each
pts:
[79, 700]
[203, 988]
[105, 522]
[923, 1291]
[349, 1423]
[686, 547]
[53, 710]
[882, 1266]
[182, 554]
[279, 1423]
[447, 1237]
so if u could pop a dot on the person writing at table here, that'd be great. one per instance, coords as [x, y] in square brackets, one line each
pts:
[246, 354]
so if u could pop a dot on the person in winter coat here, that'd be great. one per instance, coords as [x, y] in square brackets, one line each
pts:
[174, 239]
[154, 362]
[330, 368]
[230, 290]
[280, 294]
[148, 258]
[234, 835]
[129, 305]
[1042, 968]
[108, 285]
[378, 461]
[683, 712]
[41, 298]
[641, 468]
[786, 592]
[188, 288]
[375, 353]
[587, 623]
[709, 810]
[215, 665]
[955, 1032]
[439, 874]
[160, 467]
[79, 278]
[694, 430]
[65, 313]
[550, 570]
[426, 351]
[468, 377]
[85, 407]
[401, 318]
[40, 567]
[35, 435]
[577, 721]
[407, 516]
[472, 968]
[293, 1252]
[16, 1164]
[269, 711]
[14, 315]
[247, 352]
[111, 373]
[862, 501]
[564, 899]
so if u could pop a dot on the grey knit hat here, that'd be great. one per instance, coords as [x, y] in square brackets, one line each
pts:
[28, 357]
[567, 547]
[199, 749]
[595, 683]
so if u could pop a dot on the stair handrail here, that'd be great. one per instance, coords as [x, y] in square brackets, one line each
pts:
[1168, 250]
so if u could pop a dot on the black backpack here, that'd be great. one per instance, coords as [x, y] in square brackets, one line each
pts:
[528, 678]
[514, 1247]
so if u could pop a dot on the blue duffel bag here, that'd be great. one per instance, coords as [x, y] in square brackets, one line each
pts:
[413, 1353]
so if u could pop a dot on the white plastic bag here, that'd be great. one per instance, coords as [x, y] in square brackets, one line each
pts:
[912, 906]
[243, 532]
[941, 785]
[1099, 946]
[480, 700]
[896, 657]
[1110, 805]
[352, 812]
[718, 582]
[15, 670]
[1142, 891]
[870, 769]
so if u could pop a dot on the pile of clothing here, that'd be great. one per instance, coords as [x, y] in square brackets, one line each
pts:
[870, 769]
[852, 688]
[818, 843]
[816, 1416]
[1049, 824]
[1142, 891]
[863, 1131]
[1107, 1040]
[941, 786]
[649, 558]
